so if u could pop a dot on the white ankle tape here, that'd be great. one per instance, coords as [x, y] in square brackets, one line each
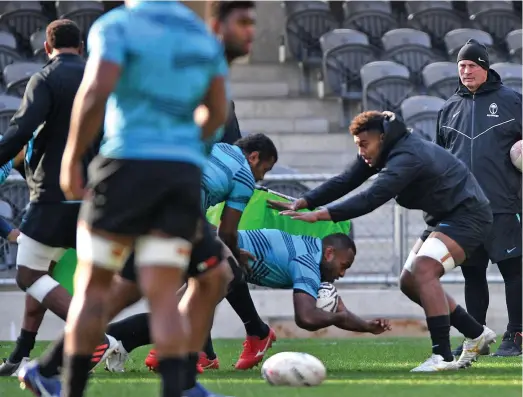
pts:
[41, 287]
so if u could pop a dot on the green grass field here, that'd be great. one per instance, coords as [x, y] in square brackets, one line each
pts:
[373, 367]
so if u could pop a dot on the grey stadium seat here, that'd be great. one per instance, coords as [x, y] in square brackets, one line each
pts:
[514, 45]
[374, 18]
[289, 188]
[294, 6]
[386, 85]
[496, 17]
[18, 74]
[421, 113]
[510, 74]
[441, 79]
[411, 48]
[8, 107]
[84, 13]
[456, 39]
[434, 17]
[37, 45]
[23, 18]
[8, 51]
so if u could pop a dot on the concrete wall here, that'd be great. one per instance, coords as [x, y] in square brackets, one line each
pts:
[276, 308]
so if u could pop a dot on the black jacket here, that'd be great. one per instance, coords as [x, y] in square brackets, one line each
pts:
[42, 123]
[418, 174]
[231, 129]
[480, 129]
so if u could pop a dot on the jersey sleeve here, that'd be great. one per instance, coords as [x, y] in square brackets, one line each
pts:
[107, 37]
[242, 191]
[306, 274]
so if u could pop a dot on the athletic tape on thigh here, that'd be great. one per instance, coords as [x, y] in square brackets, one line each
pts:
[436, 249]
[410, 260]
[41, 287]
[161, 251]
[99, 251]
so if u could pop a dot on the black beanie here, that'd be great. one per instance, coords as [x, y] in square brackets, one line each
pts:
[475, 52]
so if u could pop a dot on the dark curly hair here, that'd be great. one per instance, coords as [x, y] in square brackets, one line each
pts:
[367, 121]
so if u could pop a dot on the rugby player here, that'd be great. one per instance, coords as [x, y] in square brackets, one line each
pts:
[152, 64]
[423, 176]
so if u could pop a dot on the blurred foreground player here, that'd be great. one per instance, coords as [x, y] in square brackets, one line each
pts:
[419, 175]
[151, 84]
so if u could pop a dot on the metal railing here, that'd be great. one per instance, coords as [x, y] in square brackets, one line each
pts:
[383, 238]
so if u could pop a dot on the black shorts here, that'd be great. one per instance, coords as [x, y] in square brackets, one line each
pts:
[206, 254]
[134, 197]
[469, 227]
[503, 242]
[51, 224]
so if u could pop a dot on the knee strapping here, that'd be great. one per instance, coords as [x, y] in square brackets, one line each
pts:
[42, 287]
[436, 249]
[101, 252]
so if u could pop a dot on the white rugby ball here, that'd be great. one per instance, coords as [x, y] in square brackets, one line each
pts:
[327, 297]
[515, 155]
[293, 369]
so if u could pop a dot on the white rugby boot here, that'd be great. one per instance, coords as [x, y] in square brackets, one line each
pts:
[436, 363]
[116, 361]
[472, 347]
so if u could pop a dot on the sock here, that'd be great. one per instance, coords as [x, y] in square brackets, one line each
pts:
[24, 344]
[241, 301]
[209, 349]
[75, 375]
[476, 291]
[132, 331]
[439, 328]
[190, 371]
[172, 372]
[511, 271]
[51, 360]
[465, 323]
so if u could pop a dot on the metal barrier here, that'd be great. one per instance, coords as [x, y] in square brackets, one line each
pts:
[384, 237]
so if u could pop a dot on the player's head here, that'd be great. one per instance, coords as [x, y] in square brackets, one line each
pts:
[367, 130]
[473, 65]
[261, 153]
[338, 255]
[63, 36]
[234, 22]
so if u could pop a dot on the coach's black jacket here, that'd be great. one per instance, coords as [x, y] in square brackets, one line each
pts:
[480, 129]
[42, 123]
[417, 173]
[231, 129]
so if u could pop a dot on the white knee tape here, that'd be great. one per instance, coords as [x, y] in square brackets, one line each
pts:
[161, 251]
[100, 251]
[41, 287]
[437, 250]
[410, 260]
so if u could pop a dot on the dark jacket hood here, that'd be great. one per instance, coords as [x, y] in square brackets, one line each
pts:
[493, 83]
[394, 131]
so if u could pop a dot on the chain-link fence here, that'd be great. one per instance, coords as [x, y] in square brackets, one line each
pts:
[383, 238]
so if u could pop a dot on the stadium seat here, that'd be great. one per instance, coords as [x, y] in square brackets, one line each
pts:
[17, 75]
[294, 6]
[510, 74]
[8, 107]
[386, 85]
[23, 18]
[8, 51]
[289, 188]
[421, 113]
[434, 17]
[6, 211]
[441, 79]
[456, 39]
[496, 17]
[374, 18]
[37, 45]
[303, 29]
[84, 13]
[410, 48]
[513, 40]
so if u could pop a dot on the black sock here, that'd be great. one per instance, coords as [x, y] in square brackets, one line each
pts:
[172, 372]
[511, 271]
[75, 375]
[241, 301]
[50, 362]
[476, 290]
[465, 323]
[190, 371]
[439, 328]
[209, 349]
[24, 344]
[132, 331]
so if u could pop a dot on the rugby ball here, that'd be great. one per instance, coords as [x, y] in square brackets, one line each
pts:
[327, 297]
[515, 155]
[293, 369]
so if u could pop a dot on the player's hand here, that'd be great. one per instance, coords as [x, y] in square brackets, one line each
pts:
[13, 235]
[245, 257]
[287, 205]
[310, 217]
[71, 179]
[378, 326]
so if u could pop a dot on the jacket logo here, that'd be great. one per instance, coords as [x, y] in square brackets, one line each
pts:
[493, 109]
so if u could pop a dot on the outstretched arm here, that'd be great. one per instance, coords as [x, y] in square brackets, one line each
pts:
[351, 322]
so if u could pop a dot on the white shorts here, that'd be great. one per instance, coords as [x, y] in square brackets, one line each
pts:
[35, 255]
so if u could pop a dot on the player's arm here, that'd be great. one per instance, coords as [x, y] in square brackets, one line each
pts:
[351, 322]
[308, 316]
[33, 111]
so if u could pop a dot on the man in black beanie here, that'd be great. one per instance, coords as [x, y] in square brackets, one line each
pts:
[479, 124]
